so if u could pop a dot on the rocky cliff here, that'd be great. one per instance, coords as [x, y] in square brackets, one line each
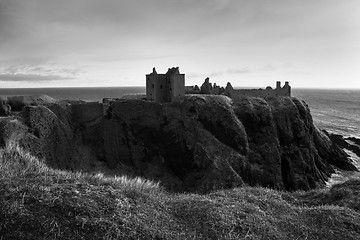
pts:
[200, 144]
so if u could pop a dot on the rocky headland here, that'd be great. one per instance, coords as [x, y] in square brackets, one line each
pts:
[349, 143]
[200, 144]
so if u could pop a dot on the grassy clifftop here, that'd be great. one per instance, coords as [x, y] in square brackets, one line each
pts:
[37, 202]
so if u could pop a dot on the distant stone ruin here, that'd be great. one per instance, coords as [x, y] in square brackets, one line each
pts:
[279, 91]
[171, 87]
[213, 89]
[208, 88]
[167, 87]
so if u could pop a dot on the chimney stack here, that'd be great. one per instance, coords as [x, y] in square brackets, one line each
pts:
[278, 84]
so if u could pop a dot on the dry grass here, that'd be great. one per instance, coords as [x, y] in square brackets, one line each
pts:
[16, 162]
[37, 202]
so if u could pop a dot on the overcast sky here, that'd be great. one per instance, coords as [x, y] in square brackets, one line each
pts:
[53, 43]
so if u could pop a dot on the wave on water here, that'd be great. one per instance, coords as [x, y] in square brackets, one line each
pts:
[337, 111]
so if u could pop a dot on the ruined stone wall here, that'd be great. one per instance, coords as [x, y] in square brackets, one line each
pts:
[177, 86]
[284, 91]
[263, 93]
[156, 87]
[160, 88]
[150, 87]
[253, 93]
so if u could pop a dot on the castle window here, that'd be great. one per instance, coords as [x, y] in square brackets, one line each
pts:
[153, 86]
[160, 86]
[170, 89]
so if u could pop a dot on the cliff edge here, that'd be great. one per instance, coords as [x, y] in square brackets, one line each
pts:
[200, 144]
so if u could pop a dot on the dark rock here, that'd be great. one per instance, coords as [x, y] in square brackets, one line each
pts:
[329, 150]
[201, 144]
[354, 140]
[5, 108]
[349, 143]
[270, 143]
[281, 140]
[169, 138]
[18, 102]
[54, 137]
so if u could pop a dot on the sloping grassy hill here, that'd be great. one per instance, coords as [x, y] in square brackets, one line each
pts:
[37, 202]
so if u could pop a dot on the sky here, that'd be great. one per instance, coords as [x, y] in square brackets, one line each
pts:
[250, 43]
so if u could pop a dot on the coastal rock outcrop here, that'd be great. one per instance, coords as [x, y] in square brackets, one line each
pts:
[18, 102]
[281, 136]
[350, 143]
[5, 108]
[41, 132]
[167, 142]
[200, 144]
[209, 142]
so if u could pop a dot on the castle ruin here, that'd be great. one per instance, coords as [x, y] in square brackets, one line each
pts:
[170, 87]
[213, 89]
[167, 87]
[279, 91]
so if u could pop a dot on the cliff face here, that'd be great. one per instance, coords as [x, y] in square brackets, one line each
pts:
[201, 144]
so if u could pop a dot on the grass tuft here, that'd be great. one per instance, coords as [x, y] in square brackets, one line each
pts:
[14, 161]
[37, 202]
[137, 184]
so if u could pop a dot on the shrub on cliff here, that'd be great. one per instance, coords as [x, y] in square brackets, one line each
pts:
[37, 202]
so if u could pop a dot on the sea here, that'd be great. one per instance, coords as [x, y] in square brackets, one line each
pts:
[335, 110]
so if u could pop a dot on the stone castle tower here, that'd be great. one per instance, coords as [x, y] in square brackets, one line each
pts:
[165, 87]
[283, 91]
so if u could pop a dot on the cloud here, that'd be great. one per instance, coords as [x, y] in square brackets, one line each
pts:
[267, 68]
[287, 65]
[244, 70]
[206, 37]
[24, 60]
[195, 75]
[30, 77]
[231, 71]
[33, 73]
